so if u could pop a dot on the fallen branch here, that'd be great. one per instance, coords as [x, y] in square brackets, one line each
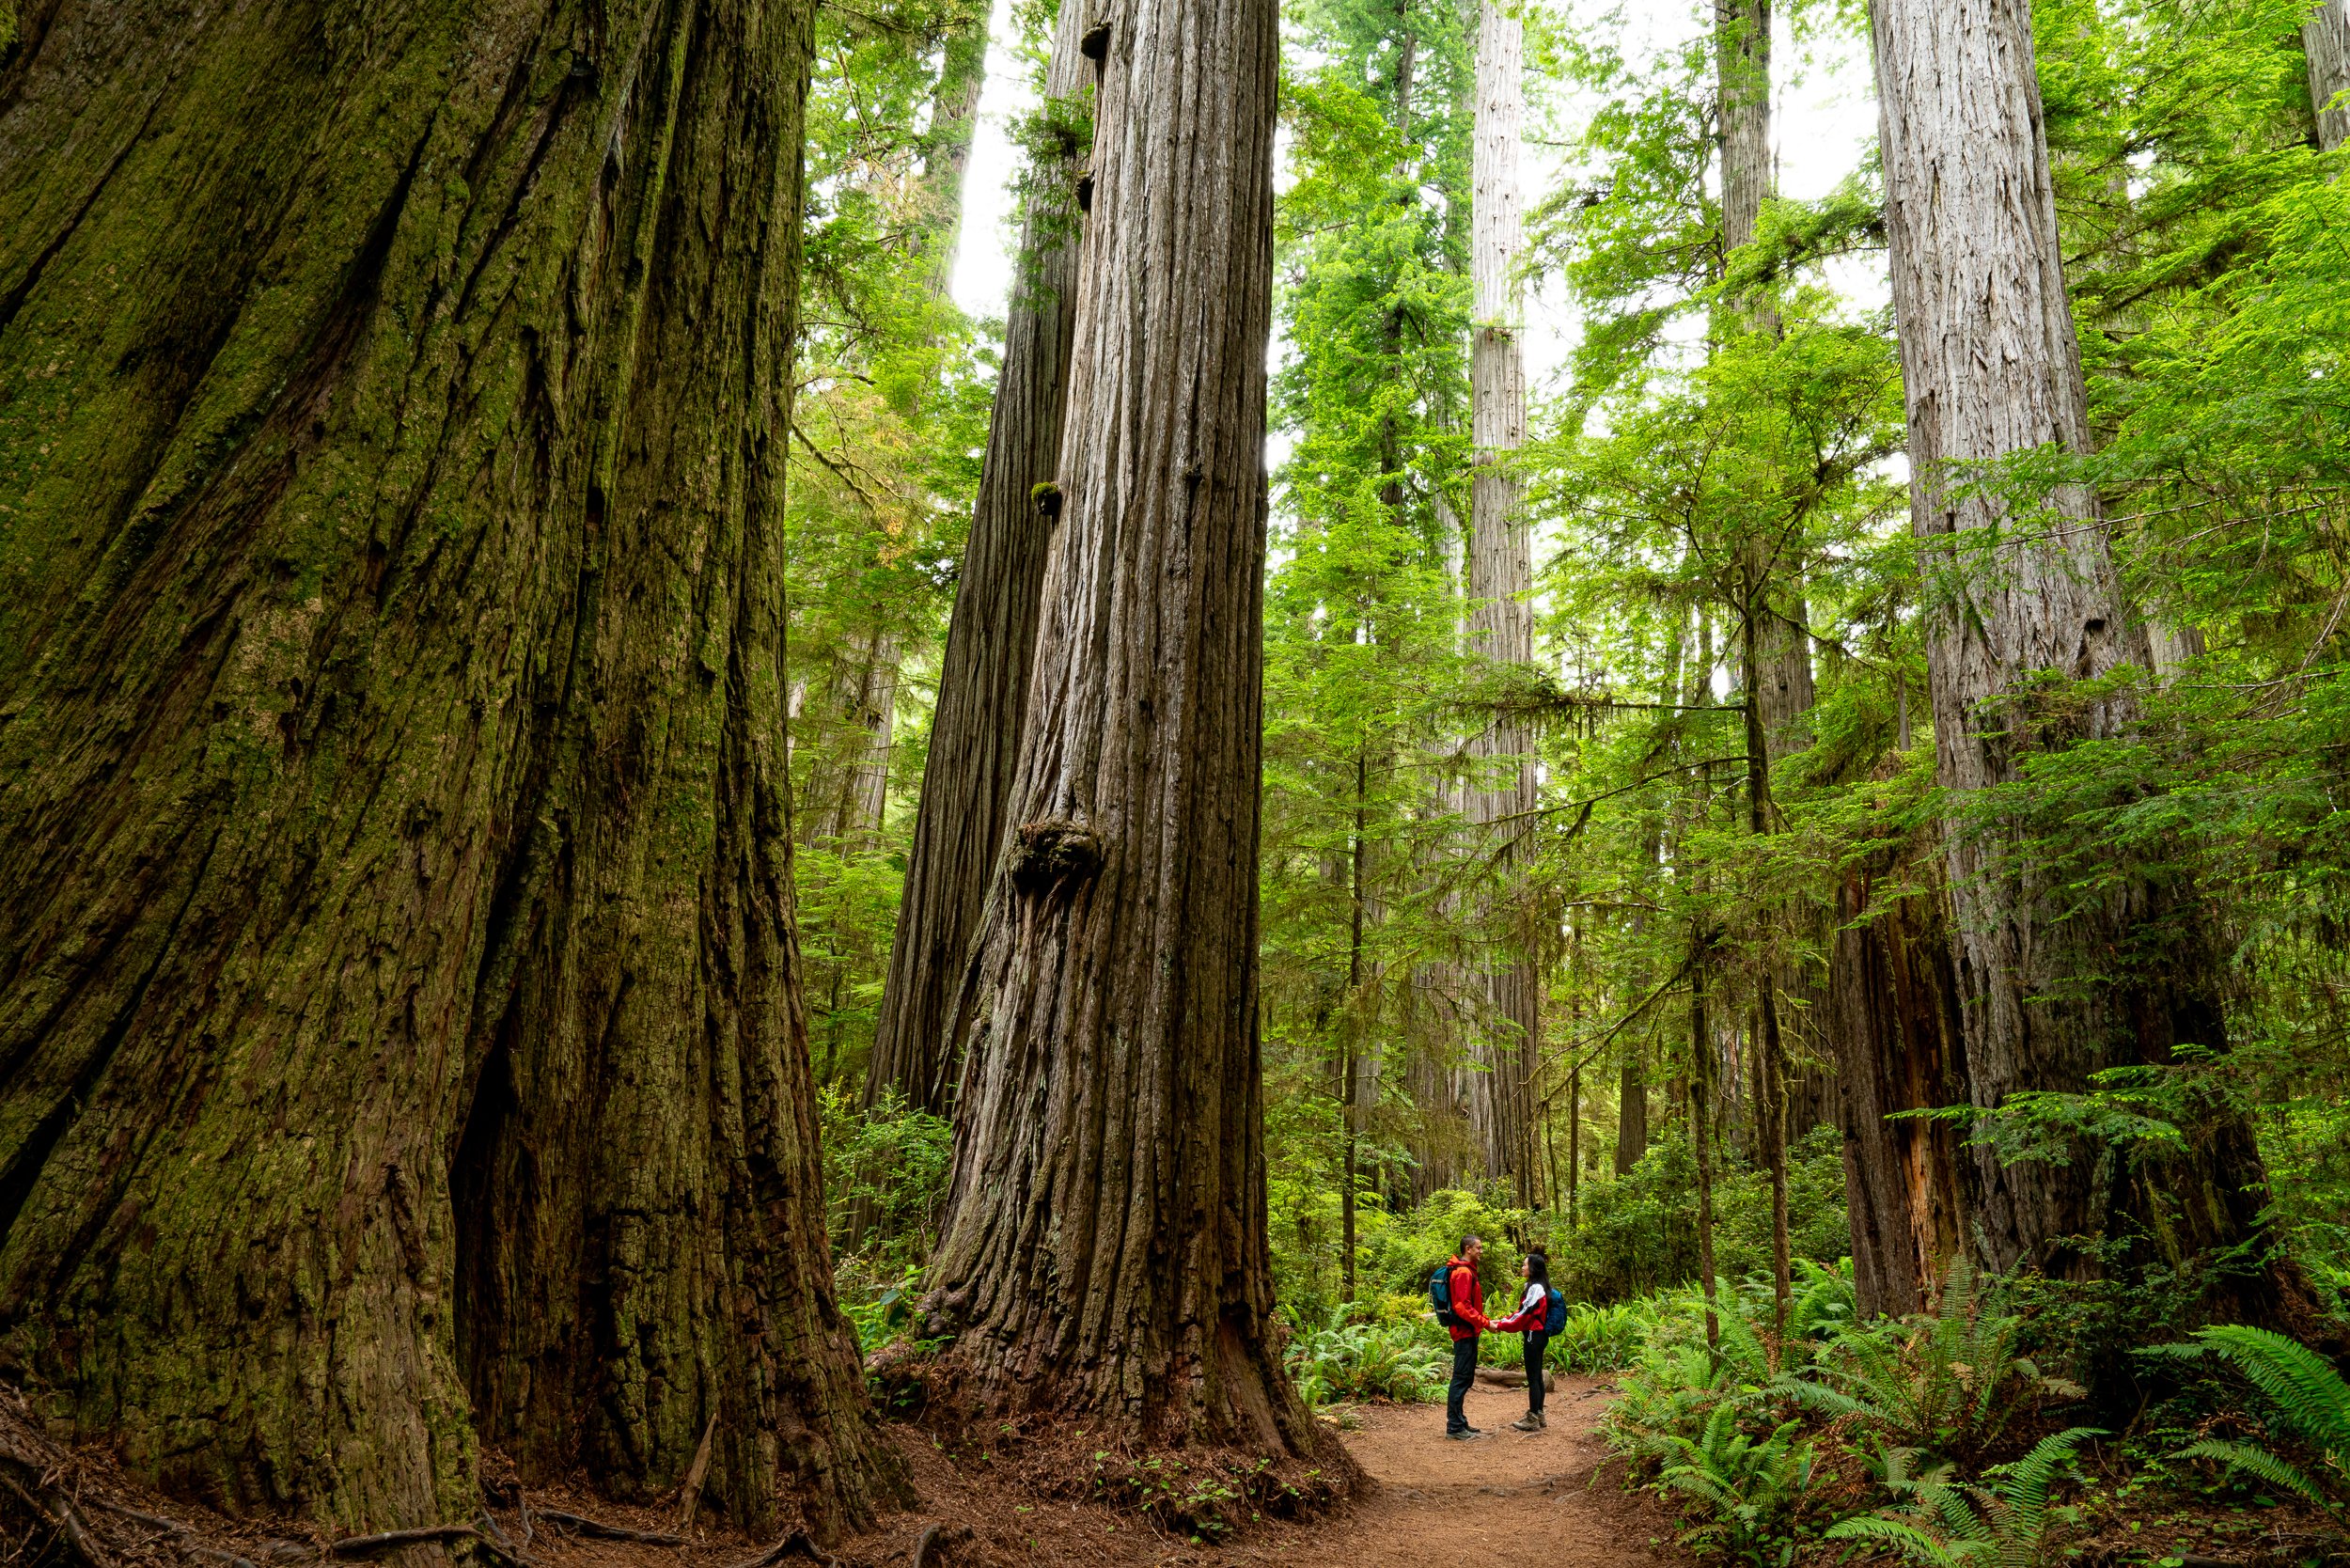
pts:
[1509, 1377]
[922, 1544]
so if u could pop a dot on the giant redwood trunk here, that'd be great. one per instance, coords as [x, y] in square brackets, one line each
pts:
[401, 1047]
[1501, 581]
[990, 641]
[2052, 993]
[1104, 1245]
[1893, 1013]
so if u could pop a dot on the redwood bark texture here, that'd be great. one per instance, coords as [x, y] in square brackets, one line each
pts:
[1103, 1246]
[1501, 581]
[401, 1046]
[2050, 993]
[2326, 38]
[1893, 1013]
[990, 641]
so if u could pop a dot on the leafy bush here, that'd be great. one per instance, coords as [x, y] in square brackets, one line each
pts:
[1638, 1235]
[1602, 1339]
[2306, 1398]
[2006, 1523]
[1344, 1360]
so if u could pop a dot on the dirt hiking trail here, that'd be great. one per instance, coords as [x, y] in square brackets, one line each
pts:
[1510, 1498]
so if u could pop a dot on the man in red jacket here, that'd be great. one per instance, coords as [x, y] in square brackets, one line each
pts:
[1468, 1321]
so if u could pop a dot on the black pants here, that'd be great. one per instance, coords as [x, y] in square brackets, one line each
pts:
[1536, 1342]
[1464, 1373]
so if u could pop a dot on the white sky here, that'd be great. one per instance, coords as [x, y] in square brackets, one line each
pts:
[1826, 114]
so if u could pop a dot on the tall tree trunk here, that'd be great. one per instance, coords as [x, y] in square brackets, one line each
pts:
[1501, 572]
[990, 641]
[1990, 367]
[1770, 1076]
[1701, 1123]
[1631, 1107]
[954, 119]
[402, 1042]
[1103, 1247]
[1894, 1007]
[2325, 38]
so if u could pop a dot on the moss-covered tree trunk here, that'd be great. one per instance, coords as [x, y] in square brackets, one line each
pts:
[1103, 1246]
[990, 641]
[2054, 989]
[401, 1047]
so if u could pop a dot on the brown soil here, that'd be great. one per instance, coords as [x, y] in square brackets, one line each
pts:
[1547, 1495]
[1509, 1497]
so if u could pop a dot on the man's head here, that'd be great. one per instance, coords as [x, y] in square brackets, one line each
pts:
[1471, 1249]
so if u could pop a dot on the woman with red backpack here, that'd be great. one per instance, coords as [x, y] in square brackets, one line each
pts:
[1541, 1313]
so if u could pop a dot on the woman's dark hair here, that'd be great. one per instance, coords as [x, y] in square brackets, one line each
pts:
[1538, 1270]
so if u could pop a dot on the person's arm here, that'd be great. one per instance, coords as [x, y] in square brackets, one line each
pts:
[1528, 1315]
[1463, 1308]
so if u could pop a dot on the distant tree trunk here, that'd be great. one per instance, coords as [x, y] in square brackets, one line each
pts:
[1895, 1017]
[1103, 1246]
[954, 119]
[401, 1046]
[1631, 1109]
[1741, 75]
[990, 641]
[1701, 1126]
[1990, 367]
[2325, 38]
[1501, 568]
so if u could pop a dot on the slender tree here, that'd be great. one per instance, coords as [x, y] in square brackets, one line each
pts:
[991, 642]
[1104, 1245]
[400, 1040]
[2052, 992]
[1501, 579]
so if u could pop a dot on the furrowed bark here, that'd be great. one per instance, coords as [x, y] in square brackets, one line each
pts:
[1895, 1017]
[2325, 40]
[1103, 1246]
[991, 642]
[401, 1046]
[1501, 581]
[2051, 994]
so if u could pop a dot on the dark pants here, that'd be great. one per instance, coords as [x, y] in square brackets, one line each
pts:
[1536, 1343]
[1464, 1373]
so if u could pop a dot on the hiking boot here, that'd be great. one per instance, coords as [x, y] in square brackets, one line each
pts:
[1533, 1422]
[1464, 1434]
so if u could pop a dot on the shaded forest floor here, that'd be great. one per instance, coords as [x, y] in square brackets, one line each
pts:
[1510, 1496]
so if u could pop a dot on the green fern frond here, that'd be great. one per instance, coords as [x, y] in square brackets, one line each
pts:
[2309, 1394]
[2257, 1461]
[1902, 1536]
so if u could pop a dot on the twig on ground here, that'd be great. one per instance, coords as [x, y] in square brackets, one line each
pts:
[922, 1544]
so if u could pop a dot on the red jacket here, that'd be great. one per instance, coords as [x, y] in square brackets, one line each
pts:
[1526, 1320]
[1468, 1302]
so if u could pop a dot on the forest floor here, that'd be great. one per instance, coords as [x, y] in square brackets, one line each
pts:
[1550, 1496]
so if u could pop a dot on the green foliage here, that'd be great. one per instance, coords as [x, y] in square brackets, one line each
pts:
[1752, 1485]
[1351, 1361]
[1947, 1383]
[887, 1165]
[2007, 1522]
[1638, 1235]
[2306, 1398]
